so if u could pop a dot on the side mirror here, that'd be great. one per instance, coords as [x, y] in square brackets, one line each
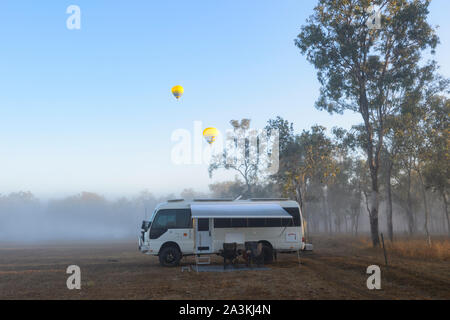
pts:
[145, 225]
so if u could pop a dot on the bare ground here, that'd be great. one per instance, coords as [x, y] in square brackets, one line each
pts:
[336, 270]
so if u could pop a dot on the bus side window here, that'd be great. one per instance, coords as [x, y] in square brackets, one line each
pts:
[286, 222]
[183, 219]
[295, 213]
[239, 223]
[273, 222]
[257, 223]
[163, 219]
[170, 219]
[203, 225]
[222, 223]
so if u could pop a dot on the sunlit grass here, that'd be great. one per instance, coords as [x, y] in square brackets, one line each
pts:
[416, 247]
[419, 248]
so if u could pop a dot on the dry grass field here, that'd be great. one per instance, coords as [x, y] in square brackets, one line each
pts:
[335, 270]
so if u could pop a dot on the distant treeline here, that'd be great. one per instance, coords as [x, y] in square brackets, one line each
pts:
[85, 216]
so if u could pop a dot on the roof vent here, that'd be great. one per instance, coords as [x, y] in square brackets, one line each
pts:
[269, 199]
[212, 200]
[175, 200]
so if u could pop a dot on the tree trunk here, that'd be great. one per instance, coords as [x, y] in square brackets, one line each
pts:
[425, 204]
[324, 208]
[373, 216]
[352, 226]
[327, 212]
[346, 224]
[390, 226]
[373, 208]
[300, 199]
[337, 224]
[357, 221]
[373, 160]
[249, 188]
[409, 212]
[444, 198]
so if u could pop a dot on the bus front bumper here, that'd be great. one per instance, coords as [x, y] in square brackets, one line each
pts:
[142, 247]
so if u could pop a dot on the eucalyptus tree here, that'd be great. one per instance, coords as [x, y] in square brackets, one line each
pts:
[437, 168]
[366, 69]
[306, 160]
[315, 161]
[241, 155]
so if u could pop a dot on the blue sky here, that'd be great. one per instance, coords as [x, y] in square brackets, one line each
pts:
[91, 109]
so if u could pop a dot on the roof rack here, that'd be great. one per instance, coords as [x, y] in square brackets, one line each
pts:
[175, 200]
[210, 200]
[269, 199]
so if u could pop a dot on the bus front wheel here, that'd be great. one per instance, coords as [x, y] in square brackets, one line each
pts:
[170, 256]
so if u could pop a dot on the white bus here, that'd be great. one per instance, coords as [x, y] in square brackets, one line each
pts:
[180, 228]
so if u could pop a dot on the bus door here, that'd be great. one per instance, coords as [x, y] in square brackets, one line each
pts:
[204, 241]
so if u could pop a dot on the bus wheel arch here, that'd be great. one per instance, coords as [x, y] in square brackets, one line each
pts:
[268, 251]
[170, 254]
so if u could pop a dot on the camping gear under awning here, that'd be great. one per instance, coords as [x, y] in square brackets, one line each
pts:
[250, 211]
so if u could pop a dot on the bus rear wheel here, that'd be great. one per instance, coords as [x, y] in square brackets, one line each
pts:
[169, 256]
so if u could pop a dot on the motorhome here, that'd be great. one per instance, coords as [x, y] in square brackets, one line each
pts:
[200, 227]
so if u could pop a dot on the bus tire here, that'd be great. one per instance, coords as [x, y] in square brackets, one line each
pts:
[170, 256]
[267, 251]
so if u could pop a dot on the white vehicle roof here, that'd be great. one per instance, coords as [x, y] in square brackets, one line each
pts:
[239, 210]
[186, 204]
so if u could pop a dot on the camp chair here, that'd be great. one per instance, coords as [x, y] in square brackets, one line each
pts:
[254, 253]
[229, 253]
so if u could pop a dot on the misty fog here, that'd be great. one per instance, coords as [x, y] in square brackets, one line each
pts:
[91, 217]
[85, 216]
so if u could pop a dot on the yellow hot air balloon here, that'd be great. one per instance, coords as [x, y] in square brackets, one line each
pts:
[210, 135]
[177, 91]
